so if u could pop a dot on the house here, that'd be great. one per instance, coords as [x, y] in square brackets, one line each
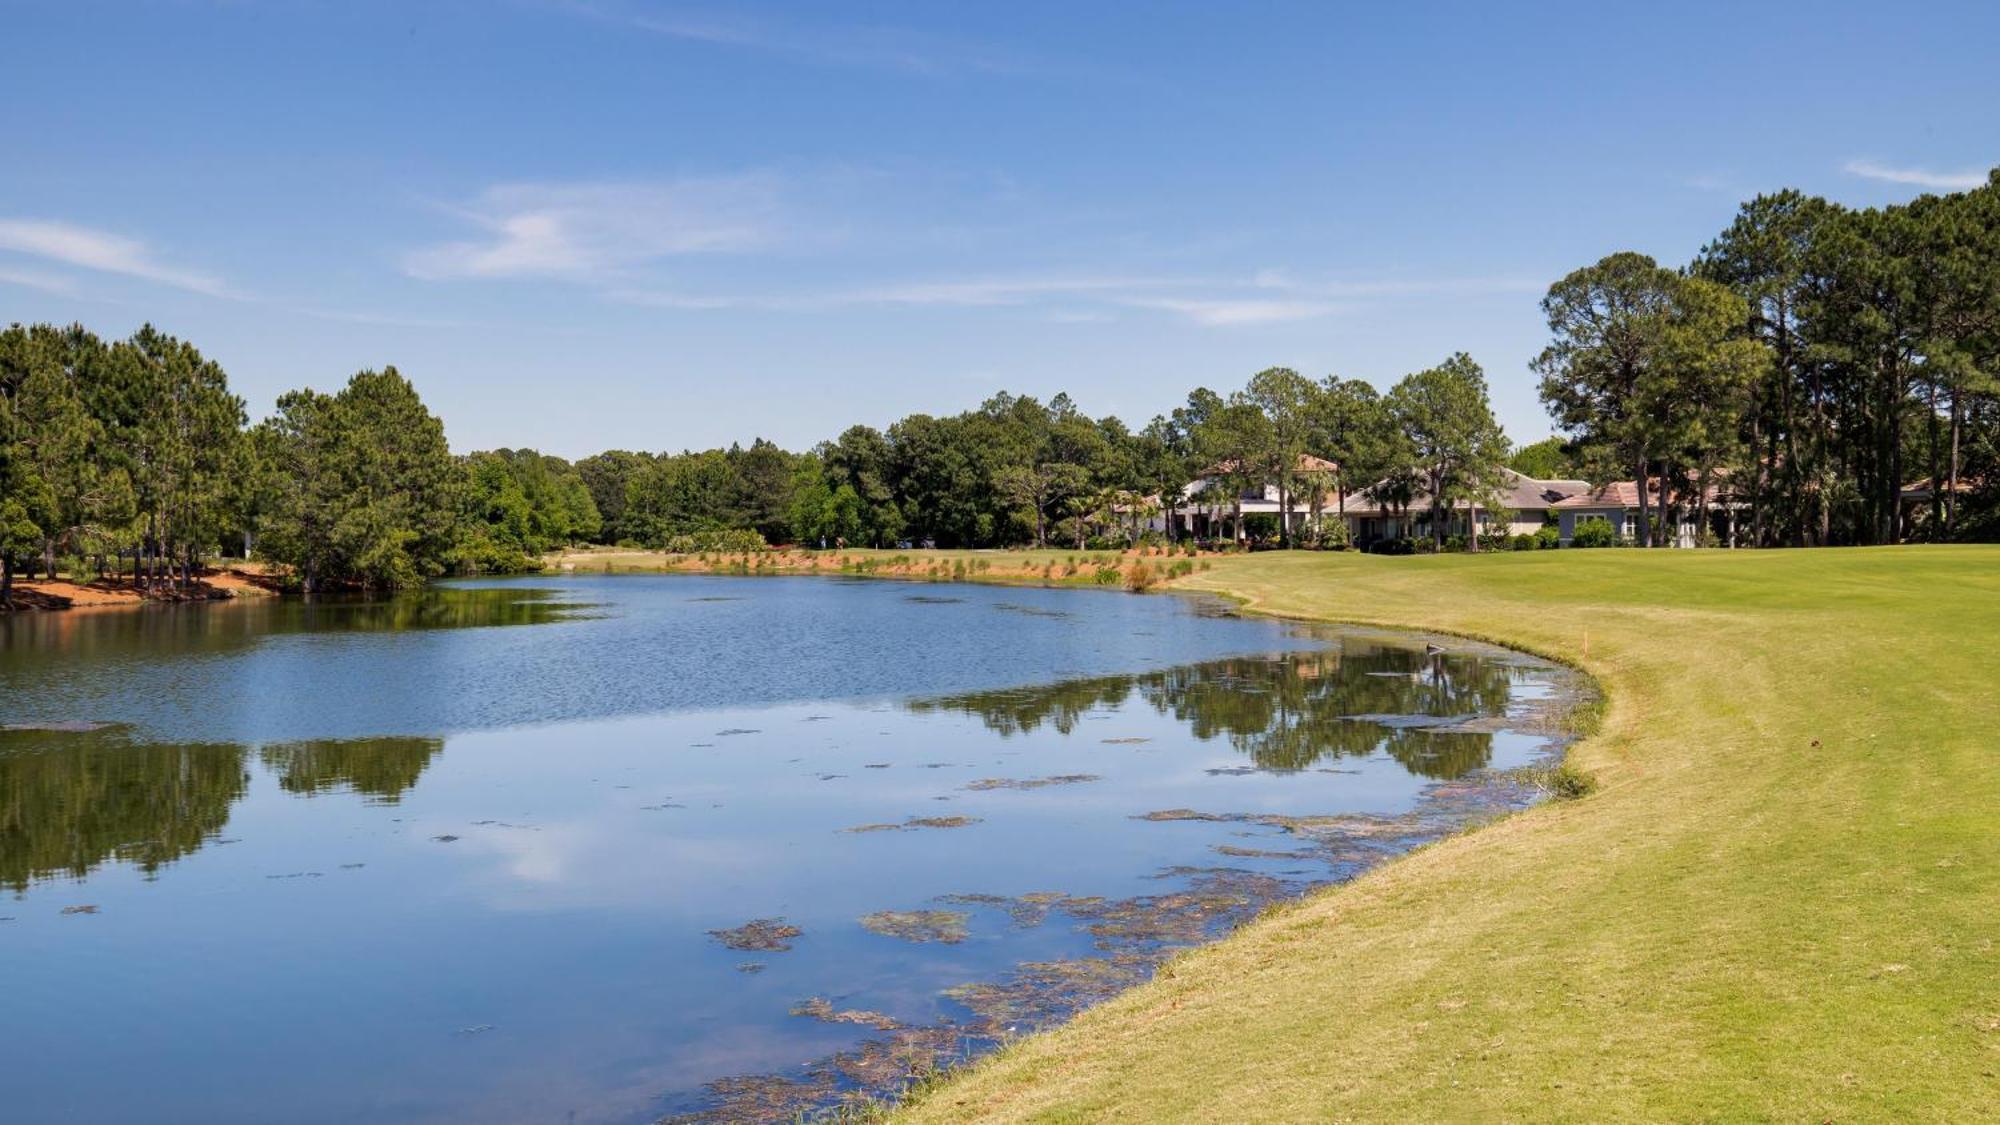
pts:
[1617, 503]
[1216, 505]
[1400, 508]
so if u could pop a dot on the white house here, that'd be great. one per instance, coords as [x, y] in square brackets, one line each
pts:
[1210, 508]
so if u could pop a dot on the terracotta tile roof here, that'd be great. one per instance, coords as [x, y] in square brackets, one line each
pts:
[1617, 494]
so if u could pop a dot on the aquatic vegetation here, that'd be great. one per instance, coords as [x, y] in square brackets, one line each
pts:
[986, 783]
[822, 1009]
[917, 822]
[1027, 910]
[947, 926]
[759, 935]
[1038, 994]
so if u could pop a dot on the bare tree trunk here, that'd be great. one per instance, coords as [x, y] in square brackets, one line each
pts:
[1640, 478]
[1951, 498]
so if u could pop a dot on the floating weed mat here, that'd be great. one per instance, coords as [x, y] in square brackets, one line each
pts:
[850, 1082]
[1132, 936]
[917, 822]
[947, 926]
[759, 935]
[1031, 909]
[822, 1009]
[986, 783]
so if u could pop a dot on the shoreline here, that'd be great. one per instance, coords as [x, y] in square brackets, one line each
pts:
[212, 585]
[1138, 570]
[1478, 996]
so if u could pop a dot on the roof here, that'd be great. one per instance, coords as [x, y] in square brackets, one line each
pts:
[1625, 494]
[1307, 463]
[1617, 494]
[1518, 492]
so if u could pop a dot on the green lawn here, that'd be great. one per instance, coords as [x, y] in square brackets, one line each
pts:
[1782, 903]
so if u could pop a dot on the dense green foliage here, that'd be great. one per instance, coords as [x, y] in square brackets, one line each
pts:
[1548, 459]
[1810, 365]
[358, 486]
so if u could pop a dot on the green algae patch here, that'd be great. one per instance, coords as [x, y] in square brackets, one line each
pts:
[821, 1009]
[921, 926]
[917, 822]
[759, 935]
[986, 783]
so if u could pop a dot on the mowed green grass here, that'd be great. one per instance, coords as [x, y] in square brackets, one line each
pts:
[1783, 903]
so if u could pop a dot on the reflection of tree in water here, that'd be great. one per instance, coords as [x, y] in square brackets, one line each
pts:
[29, 640]
[1287, 712]
[69, 803]
[381, 768]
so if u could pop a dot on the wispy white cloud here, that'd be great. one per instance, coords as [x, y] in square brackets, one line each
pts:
[984, 292]
[1234, 311]
[871, 46]
[102, 251]
[1266, 297]
[595, 232]
[35, 279]
[1916, 177]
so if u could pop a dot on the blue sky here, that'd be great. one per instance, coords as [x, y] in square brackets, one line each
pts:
[637, 224]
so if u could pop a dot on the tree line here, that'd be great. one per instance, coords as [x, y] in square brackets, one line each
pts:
[1806, 368]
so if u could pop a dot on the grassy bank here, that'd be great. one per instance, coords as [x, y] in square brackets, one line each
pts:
[1783, 902]
[1142, 569]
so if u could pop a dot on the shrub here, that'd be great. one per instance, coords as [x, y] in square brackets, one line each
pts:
[1106, 576]
[1141, 579]
[1403, 546]
[1496, 541]
[1260, 525]
[1548, 537]
[1453, 544]
[1564, 782]
[1326, 537]
[1525, 543]
[1593, 532]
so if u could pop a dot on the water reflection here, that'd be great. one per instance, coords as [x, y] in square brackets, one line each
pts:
[152, 632]
[73, 801]
[1292, 711]
[380, 769]
[69, 803]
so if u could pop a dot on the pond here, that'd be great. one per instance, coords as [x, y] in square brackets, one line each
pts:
[626, 848]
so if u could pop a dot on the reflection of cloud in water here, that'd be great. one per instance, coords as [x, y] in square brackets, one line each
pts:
[564, 865]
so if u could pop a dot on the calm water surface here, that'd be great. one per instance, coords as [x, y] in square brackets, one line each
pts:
[459, 856]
